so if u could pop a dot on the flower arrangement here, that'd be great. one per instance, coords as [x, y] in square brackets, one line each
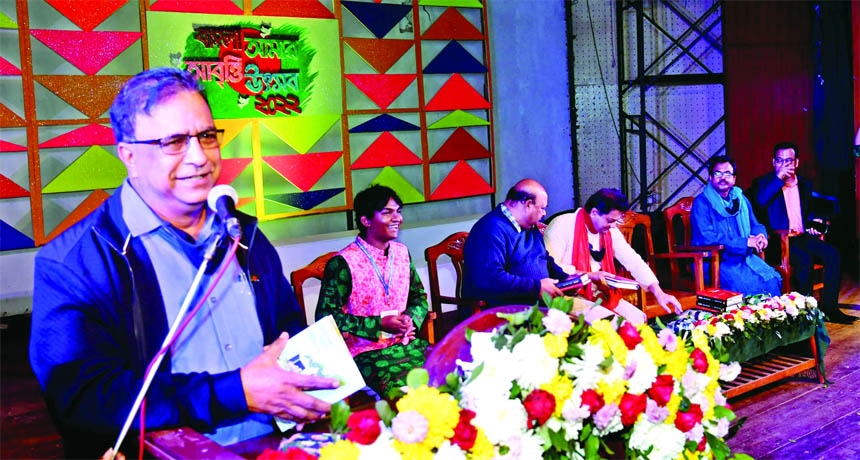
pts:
[546, 385]
[755, 327]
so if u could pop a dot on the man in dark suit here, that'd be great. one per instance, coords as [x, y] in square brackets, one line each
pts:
[785, 203]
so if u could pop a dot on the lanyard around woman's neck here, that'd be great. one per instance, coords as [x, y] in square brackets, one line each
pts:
[385, 284]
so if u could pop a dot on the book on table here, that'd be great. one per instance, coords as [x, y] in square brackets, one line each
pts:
[574, 281]
[718, 298]
[319, 349]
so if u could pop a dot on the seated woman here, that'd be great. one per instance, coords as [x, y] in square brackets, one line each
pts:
[375, 295]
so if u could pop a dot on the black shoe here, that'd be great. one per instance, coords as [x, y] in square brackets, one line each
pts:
[837, 316]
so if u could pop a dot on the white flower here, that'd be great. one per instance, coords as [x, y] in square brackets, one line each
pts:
[722, 329]
[381, 449]
[666, 440]
[720, 428]
[523, 446]
[534, 365]
[500, 418]
[586, 368]
[729, 372]
[645, 372]
[448, 451]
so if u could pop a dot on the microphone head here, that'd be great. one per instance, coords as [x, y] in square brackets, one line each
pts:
[219, 191]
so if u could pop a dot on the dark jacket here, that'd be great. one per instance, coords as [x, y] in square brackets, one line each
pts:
[769, 203]
[98, 319]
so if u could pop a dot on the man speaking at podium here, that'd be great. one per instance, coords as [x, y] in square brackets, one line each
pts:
[107, 290]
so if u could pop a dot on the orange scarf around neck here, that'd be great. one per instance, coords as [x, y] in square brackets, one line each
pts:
[581, 258]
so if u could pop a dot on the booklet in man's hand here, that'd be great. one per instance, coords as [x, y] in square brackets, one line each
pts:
[320, 350]
[621, 283]
[575, 281]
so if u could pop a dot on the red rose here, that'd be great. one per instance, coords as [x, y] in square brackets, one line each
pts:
[702, 444]
[661, 390]
[630, 335]
[700, 361]
[539, 405]
[631, 406]
[593, 400]
[465, 433]
[363, 426]
[685, 421]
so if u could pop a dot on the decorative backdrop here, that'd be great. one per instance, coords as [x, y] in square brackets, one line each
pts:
[318, 100]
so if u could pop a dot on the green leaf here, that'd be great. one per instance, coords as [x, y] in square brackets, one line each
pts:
[557, 440]
[475, 373]
[592, 444]
[340, 413]
[724, 412]
[386, 414]
[469, 334]
[453, 380]
[417, 377]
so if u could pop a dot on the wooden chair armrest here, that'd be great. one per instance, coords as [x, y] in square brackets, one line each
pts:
[708, 248]
[681, 255]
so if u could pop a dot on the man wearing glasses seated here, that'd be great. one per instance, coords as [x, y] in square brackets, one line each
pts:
[722, 215]
[588, 240]
[785, 200]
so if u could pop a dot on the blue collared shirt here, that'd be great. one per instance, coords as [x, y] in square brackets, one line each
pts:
[225, 333]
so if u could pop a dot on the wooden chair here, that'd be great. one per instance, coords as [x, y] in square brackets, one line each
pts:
[634, 224]
[452, 247]
[680, 213]
[315, 270]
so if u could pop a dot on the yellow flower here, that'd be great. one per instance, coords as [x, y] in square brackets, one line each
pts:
[482, 449]
[561, 388]
[555, 345]
[604, 334]
[340, 450]
[413, 451]
[676, 364]
[652, 345]
[440, 410]
[612, 391]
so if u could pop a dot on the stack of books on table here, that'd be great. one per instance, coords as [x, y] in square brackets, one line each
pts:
[621, 283]
[718, 299]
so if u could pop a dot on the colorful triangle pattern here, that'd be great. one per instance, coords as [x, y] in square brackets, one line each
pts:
[7, 23]
[386, 150]
[84, 14]
[381, 89]
[9, 189]
[461, 181]
[8, 118]
[231, 168]
[95, 169]
[92, 95]
[11, 238]
[379, 54]
[458, 118]
[460, 146]
[7, 69]
[88, 51]
[451, 25]
[390, 178]
[454, 59]
[301, 132]
[92, 134]
[303, 171]
[307, 200]
[90, 203]
[453, 3]
[379, 18]
[457, 93]
[293, 9]
[10, 147]
[232, 127]
[384, 122]
[197, 6]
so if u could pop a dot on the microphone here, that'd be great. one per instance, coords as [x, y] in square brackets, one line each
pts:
[222, 199]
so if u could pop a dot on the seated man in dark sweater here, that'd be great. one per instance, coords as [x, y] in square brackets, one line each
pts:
[506, 261]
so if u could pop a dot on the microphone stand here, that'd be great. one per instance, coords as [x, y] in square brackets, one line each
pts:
[168, 340]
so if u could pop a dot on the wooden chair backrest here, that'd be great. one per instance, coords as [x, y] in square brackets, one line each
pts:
[628, 225]
[298, 277]
[681, 209]
[452, 246]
